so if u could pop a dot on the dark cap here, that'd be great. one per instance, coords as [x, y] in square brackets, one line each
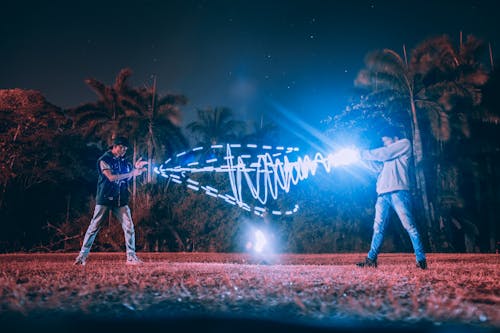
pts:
[391, 131]
[120, 141]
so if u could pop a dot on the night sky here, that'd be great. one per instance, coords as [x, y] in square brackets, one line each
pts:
[246, 55]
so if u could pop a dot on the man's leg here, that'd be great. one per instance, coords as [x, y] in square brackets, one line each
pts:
[94, 227]
[123, 215]
[382, 207]
[402, 205]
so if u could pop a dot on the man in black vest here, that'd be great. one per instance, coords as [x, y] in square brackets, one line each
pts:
[112, 195]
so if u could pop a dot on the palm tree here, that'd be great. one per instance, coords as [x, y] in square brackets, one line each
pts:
[215, 126]
[452, 80]
[154, 123]
[449, 78]
[98, 119]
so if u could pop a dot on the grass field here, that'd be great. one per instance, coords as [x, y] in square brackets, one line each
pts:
[291, 292]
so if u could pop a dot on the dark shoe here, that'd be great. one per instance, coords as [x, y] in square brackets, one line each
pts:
[367, 263]
[422, 264]
[80, 261]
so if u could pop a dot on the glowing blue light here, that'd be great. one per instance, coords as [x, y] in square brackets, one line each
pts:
[195, 188]
[345, 156]
[189, 180]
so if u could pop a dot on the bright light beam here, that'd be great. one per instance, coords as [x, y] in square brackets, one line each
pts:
[345, 156]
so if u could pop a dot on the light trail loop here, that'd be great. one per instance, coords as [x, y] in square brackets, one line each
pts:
[264, 175]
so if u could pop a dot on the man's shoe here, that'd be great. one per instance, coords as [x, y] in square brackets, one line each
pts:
[133, 260]
[367, 263]
[80, 261]
[422, 264]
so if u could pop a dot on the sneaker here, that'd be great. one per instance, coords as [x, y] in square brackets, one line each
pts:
[80, 261]
[422, 264]
[367, 263]
[133, 260]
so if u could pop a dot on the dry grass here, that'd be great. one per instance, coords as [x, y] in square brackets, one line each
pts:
[462, 289]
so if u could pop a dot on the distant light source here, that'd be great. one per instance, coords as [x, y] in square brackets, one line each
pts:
[260, 241]
[345, 156]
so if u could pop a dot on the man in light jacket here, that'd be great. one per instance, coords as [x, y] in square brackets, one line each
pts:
[393, 184]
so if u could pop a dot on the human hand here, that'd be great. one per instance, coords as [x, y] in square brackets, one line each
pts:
[138, 172]
[140, 164]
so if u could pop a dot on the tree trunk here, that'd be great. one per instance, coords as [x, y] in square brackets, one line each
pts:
[490, 202]
[68, 207]
[151, 133]
[419, 173]
[177, 237]
[134, 179]
[2, 196]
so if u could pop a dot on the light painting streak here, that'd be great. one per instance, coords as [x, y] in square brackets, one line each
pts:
[264, 178]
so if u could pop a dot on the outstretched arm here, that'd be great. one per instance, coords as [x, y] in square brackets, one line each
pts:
[138, 170]
[388, 153]
[133, 173]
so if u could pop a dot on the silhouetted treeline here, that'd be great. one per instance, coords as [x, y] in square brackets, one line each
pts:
[441, 95]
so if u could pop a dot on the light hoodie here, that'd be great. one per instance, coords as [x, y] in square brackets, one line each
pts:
[396, 158]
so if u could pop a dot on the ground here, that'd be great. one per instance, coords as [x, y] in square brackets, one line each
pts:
[220, 291]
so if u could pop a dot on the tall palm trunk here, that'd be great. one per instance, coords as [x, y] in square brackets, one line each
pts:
[134, 180]
[151, 133]
[490, 202]
[419, 172]
[150, 153]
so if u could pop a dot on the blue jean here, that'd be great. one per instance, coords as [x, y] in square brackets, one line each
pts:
[400, 202]
[100, 213]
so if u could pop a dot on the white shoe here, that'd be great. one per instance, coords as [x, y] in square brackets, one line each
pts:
[80, 261]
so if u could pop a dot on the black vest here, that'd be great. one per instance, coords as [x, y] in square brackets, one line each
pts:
[112, 193]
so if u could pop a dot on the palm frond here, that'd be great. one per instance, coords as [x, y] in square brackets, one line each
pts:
[98, 87]
[434, 53]
[172, 99]
[472, 50]
[120, 84]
